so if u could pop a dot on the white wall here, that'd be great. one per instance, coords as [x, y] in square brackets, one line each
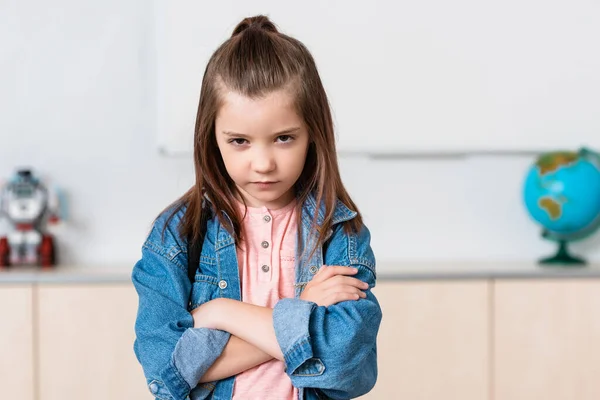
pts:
[77, 105]
[449, 66]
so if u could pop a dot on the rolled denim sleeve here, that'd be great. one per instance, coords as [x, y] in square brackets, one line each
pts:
[294, 341]
[173, 354]
[333, 349]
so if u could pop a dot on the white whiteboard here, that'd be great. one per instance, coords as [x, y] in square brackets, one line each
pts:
[429, 76]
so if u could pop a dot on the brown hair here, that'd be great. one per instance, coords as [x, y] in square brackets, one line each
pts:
[256, 60]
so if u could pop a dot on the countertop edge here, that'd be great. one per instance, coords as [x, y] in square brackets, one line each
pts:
[386, 271]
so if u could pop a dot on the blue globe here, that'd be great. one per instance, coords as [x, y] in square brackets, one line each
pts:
[562, 194]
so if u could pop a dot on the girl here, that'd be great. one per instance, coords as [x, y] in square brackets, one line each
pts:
[281, 305]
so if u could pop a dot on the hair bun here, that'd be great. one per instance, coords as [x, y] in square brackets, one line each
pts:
[260, 22]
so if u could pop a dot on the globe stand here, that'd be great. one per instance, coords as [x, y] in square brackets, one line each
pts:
[562, 257]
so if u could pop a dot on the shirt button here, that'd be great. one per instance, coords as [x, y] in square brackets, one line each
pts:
[153, 388]
[267, 218]
[265, 268]
[265, 244]
[313, 269]
[222, 284]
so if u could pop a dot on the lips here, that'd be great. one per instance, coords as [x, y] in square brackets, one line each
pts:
[264, 185]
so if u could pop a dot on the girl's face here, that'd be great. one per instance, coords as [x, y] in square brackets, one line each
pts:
[263, 143]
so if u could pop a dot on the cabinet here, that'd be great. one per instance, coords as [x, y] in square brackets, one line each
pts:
[455, 339]
[547, 340]
[86, 334]
[16, 342]
[433, 341]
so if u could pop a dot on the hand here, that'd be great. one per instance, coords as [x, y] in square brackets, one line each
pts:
[331, 285]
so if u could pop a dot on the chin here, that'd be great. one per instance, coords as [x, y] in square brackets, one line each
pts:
[266, 197]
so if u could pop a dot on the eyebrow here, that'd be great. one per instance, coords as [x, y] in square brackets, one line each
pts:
[284, 132]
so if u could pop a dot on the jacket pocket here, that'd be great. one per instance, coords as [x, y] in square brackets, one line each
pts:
[205, 289]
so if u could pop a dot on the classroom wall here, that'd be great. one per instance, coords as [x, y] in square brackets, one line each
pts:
[85, 120]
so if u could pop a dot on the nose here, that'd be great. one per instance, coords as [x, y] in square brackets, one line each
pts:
[263, 161]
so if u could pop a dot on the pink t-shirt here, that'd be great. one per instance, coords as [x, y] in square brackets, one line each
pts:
[266, 262]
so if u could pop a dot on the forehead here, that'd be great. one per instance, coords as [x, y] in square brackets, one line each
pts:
[242, 114]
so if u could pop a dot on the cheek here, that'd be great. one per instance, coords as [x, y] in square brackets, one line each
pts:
[231, 160]
[296, 161]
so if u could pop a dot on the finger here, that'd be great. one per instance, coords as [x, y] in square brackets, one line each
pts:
[352, 289]
[349, 290]
[340, 280]
[345, 296]
[338, 297]
[328, 271]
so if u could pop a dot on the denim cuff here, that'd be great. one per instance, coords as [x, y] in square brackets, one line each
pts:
[291, 320]
[173, 386]
[195, 352]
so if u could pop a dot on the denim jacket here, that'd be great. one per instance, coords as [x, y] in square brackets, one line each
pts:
[329, 352]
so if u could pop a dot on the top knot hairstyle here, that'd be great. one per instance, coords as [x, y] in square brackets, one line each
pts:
[259, 22]
[257, 60]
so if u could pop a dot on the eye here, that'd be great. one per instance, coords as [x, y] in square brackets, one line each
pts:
[285, 138]
[237, 141]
